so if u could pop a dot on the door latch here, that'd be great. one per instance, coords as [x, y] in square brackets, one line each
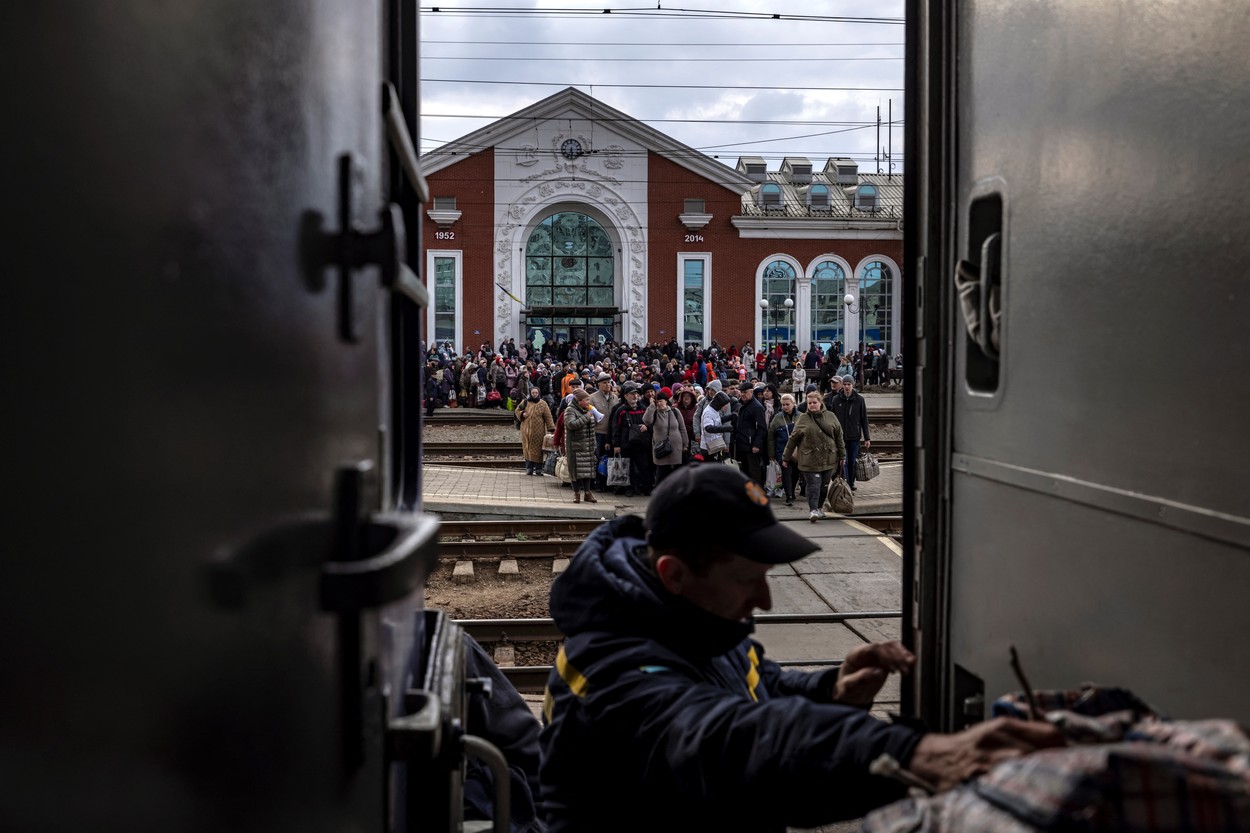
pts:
[352, 248]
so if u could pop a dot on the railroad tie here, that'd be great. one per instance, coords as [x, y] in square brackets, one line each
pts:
[559, 565]
[505, 656]
[509, 570]
[463, 573]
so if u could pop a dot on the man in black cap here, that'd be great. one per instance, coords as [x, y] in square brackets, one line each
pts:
[662, 714]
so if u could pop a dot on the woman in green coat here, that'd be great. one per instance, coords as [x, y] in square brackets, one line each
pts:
[816, 447]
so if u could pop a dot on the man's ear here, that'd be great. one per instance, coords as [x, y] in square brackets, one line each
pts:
[672, 572]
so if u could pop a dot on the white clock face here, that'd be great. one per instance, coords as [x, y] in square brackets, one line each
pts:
[571, 149]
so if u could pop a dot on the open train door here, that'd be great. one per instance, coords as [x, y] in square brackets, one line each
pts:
[212, 571]
[1080, 322]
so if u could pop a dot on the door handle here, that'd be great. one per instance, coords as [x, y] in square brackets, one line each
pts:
[980, 285]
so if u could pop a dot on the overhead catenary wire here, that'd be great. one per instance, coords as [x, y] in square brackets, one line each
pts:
[768, 87]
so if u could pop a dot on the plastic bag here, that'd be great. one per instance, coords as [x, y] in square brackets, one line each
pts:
[549, 465]
[562, 469]
[772, 478]
[618, 471]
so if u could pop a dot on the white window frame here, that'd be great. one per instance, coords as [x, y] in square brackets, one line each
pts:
[456, 255]
[706, 257]
[759, 292]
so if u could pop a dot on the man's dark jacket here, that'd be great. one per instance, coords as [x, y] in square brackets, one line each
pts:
[660, 716]
[751, 429]
[852, 412]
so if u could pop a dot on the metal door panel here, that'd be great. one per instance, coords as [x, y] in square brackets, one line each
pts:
[178, 391]
[1081, 594]
[1086, 499]
[1119, 130]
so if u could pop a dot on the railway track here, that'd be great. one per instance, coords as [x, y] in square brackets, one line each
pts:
[497, 416]
[492, 540]
[486, 450]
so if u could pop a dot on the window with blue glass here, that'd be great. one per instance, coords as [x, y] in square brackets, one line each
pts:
[876, 304]
[693, 308]
[445, 299]
[778, 323]
[828, 290]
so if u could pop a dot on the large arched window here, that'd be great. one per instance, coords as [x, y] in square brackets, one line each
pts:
[876, 304]
[828, 290]
[569, 263]
[778, 321]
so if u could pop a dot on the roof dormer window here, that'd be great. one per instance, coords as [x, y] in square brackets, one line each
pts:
[818, 196]
[770, 195]
[866, 198]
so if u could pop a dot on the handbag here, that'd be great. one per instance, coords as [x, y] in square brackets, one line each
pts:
[867, 467]
[663, 448]
[562, 469]
[716, 444]
[549, 465]
[618, 471]
[840, 499]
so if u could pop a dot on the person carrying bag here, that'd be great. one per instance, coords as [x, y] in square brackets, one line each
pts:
[817, 448]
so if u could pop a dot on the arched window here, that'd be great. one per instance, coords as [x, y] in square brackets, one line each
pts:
[818, 196]
[569, 263]
[778, 320]
[876, 304]
[770, 195]
[828, 290]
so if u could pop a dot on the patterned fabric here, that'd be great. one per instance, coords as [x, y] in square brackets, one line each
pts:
[1129, 770]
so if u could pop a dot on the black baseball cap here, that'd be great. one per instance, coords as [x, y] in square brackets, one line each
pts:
[714, 504]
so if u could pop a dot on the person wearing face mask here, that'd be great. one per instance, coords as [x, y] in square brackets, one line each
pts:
[779, 431]
[534, 419]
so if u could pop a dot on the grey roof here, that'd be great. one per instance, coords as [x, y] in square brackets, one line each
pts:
[794, 198]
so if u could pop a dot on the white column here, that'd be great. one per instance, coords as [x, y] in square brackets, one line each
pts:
[803, 312]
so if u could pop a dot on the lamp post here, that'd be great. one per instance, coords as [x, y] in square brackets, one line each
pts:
[789, 305]
[855, 309]
[764, 322]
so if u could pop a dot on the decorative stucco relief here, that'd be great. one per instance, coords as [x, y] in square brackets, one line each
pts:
[594, 193]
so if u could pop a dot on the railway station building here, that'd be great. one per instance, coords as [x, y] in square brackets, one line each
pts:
[570, 219]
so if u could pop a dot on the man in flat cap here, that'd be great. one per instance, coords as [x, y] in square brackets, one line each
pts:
[662, 714]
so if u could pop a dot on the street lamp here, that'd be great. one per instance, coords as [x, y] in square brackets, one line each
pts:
[764, 321]
[856, 309]
[789, 305]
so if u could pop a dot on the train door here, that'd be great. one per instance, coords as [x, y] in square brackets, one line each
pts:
[1076, 215]
[208, 598]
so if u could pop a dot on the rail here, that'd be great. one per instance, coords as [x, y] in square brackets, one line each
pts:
[545, 630]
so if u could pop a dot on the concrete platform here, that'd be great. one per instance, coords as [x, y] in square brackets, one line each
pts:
[457, 493]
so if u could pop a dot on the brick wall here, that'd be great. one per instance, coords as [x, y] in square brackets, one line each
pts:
[472, 183]
[734, 260]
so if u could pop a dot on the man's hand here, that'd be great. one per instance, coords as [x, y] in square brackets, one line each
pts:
[948, 760]
[867, 443]
[865, 670]
[755, 450]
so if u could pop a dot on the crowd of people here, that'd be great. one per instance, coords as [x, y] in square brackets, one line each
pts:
[790, 419]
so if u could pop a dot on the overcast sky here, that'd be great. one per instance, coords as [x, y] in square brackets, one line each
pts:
[752, 69]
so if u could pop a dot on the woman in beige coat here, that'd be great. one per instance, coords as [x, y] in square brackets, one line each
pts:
[816, 447]
[666, 423]
[534, 418]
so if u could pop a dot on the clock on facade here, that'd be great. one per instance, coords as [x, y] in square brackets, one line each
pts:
[571, 149]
